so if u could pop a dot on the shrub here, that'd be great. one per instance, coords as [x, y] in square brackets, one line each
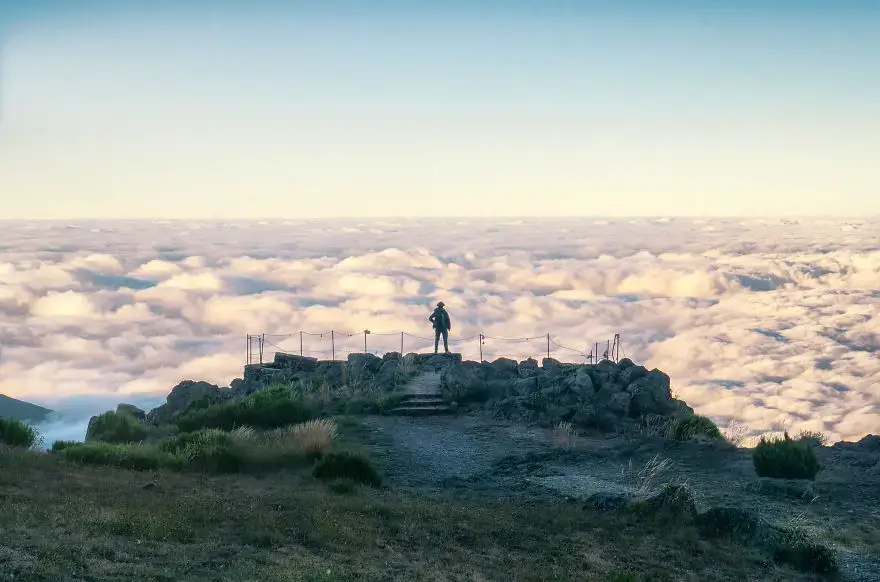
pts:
[694, 426]
[564, 435]
[804, 553]
[311, 438]
[16, 433]
[270, 408]
[346, 465]
[61, 445]
[127, 456]
[117, 427]
[813, 437]
[785, 458]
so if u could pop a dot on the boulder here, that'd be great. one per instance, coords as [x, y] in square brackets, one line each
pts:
[529, 366]
[583, 382]
[388, 372]
[294, 363]
[630, 374]
[358, 363]
[183, 395]
[461, 384]
[503, 368]
[550, 365]
[651, 394]
[131, 410]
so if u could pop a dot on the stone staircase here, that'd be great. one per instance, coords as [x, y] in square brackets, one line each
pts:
[423, 397]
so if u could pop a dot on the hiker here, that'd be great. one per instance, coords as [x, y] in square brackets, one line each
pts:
[442, 325]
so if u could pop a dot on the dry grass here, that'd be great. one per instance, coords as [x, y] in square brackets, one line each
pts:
[565, 436]
[736, 433]
[308, 438]
[648, 477]
[72, 522]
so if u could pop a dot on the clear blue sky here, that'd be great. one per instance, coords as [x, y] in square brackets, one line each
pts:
[250, 109]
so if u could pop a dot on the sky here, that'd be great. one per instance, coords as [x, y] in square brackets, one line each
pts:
[761, 324]
[240, 110]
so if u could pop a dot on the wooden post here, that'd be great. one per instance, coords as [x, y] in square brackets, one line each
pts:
[481, 348]
[262, 341]
[401, 343]
[248, 356]
[597, 352]
[332, 346]
[366, 333]
[548, 346]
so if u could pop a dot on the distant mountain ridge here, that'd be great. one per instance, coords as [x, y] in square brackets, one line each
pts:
[21, 410]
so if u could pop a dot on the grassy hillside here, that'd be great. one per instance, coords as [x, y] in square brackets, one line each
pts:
[20, 410]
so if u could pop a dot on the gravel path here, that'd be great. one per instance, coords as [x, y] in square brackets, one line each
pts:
[480, 454]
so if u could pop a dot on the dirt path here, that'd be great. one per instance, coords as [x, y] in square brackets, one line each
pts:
[504, 458]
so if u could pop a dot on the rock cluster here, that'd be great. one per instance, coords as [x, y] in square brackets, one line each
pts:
[598, 396]
[384, 373]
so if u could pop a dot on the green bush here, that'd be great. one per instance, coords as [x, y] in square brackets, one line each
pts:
[117, 427]
[346, 465]
[694, 426]
[16, 433]
[785, 458]
[126, 456]
[61, 445]
[270, 408]
[803, 552]
[813, 437]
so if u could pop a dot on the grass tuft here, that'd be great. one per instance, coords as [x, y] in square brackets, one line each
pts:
[689, 427]
[565, 436]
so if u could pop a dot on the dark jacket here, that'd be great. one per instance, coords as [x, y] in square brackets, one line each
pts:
[440, 319]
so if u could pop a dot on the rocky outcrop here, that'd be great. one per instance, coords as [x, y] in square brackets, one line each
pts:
[184, 394]
[596, 396]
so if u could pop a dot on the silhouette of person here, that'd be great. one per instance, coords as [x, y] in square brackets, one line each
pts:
[442, 325]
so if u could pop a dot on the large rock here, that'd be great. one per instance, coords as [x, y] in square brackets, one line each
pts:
[358, 363]
[294, 362]
[650, 394]
[183, 395]
[550, 365]
[461, 384]
[503, 368]
[583, 383]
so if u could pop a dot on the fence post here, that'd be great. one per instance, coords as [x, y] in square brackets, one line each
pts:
[481, 348]
[548, 346]
[262, 341]
[401, 343]
[332, 346]
[597, 352]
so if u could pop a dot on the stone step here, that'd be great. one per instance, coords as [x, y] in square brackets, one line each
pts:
[421, 410]
[423, 399]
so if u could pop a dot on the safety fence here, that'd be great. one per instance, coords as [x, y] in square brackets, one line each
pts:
[336, 345]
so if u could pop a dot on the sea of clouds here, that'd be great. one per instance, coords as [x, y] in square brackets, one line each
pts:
[771, 323]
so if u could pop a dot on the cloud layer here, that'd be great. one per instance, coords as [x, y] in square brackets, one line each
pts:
[767, 322]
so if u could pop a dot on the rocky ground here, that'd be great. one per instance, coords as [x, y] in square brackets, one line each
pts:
[475, 453]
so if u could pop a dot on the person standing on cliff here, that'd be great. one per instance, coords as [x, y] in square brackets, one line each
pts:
[442, 325]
